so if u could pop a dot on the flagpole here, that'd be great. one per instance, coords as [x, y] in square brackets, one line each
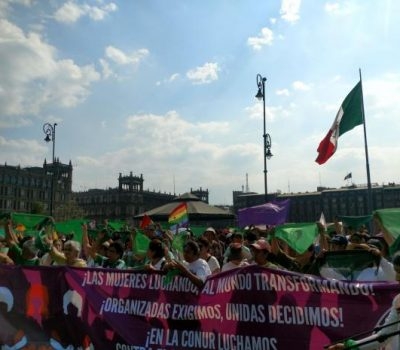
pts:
[370, 208]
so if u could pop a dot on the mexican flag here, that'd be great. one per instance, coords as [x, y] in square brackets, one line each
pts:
[349, 115]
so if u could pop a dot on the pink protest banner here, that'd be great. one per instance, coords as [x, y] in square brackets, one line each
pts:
[248, 308]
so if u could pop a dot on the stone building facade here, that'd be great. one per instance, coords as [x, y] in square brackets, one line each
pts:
[307, 207]
[35, 189]
[125, 201]
[30, 190]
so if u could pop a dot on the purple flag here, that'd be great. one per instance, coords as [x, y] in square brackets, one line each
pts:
[271, 213]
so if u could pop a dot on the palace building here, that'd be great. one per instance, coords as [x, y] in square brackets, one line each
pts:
[308, 206]
[48, 190]
[35, 189]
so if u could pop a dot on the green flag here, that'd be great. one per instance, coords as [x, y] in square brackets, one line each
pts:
[30, 221]
[298, 236]
[355, 221]
[71, 226]
[117, 225]
[141, 243]
[390, 221]
[179, 241]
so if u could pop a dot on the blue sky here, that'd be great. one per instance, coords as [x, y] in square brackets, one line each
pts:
[166, 89]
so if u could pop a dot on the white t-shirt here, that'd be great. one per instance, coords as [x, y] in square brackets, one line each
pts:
[213, 263]
[159, 265]
[230, 265]
[199, 268]
[385, 272]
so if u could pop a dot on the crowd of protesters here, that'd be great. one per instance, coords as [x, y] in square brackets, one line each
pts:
[197, 257]
[213, 252]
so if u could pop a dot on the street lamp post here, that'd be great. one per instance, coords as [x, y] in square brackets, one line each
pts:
[50, 132]
[268, 145]
[267, 139]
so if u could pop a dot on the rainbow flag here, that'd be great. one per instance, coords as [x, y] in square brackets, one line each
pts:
[179, 215]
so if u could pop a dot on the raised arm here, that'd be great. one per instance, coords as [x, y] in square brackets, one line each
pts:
[10, 235]
[86, 247]
[323, 240]
[5, 259]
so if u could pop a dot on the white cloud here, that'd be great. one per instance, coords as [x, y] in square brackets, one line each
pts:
[290, 10]
[382, 96]
[152, 133]
[210, 128]
[22, 151]
[71, 12]
[6, 4]
[332, 7]
[115, 59]
[89, 162]
[32, 78]
[99, 13]
[106, 69]
[71, 83]
[173, 77]
[283, 92]
[299, 85]
[336, 78]
[121, 58]
[266, 37]
[168, 146]
[170, 79]
[139, 125]
[271, 112]
[340, 8]
[8, 121]
[204, 74]
[21, 2]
